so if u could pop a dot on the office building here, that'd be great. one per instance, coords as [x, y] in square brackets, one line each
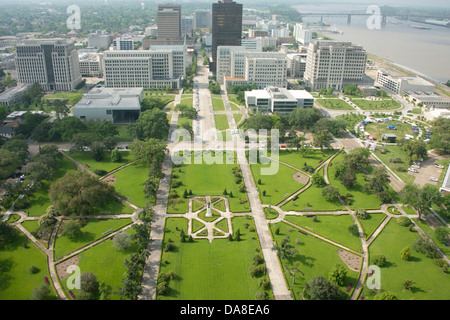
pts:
[99, 39]
[91, 64]
[123, 43]
[13, 95]
[187, 26]
[237, 65]
[429, 99]
[400, 85]
[202, 19]
[226, 26]
[159, 67]
[118, 105]
[302, 34]
[332, 64]
[52, 63]
[169, 21]
[296, 64]
[278, 100]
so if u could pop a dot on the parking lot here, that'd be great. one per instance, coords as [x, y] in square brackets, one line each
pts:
[427, 169]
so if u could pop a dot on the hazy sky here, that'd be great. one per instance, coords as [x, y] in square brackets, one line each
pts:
[397, 3]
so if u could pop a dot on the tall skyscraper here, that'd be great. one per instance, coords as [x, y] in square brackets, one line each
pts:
[226, 26]
[53, 63]
[169, 21]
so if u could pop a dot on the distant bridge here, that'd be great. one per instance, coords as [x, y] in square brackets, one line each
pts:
[340, 14]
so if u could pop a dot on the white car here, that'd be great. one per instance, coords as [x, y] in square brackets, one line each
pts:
[413, 170]
[439, 166]
[434, 179]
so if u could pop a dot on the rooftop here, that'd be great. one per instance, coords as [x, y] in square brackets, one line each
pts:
[112, 98]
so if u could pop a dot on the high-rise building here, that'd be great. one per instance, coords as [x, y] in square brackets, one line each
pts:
[52, 63]
[187, 26]
[202, 18]
[332, 64]
[159, 67]
[169, 21]
[302, 34]
[226, 26]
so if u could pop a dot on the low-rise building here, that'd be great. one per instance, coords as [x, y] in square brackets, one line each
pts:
[445, 187]
[400, 85]
[13, 95]
[91, 64]
[119, 105]
[429, 99]
[282, 100]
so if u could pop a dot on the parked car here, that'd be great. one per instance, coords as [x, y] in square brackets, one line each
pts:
[439, 166]
[413, 170]
[434, 179]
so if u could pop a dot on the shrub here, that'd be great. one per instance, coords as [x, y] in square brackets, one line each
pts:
[256, 271]
[162, 288]
[34, 269]
[404, 221]
[100, 172]
[361, 214]
[379, 260]
[405, 253]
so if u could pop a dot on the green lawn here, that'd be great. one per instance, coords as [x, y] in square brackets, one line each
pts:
[335, 104]
[104, 164]
[401, 169]
[351, 119]
[106, 263]
[430, 282]
[237, 117]
[385, 104]
[16, 281]
[129, 183]
[71, 97]
[299, 160]
[277, 186]
[124, 135]
[197, 177]
[210, 271]
[377, 129]
[315, 257]
[92, 231]
[217, 103]
[221, 121]
[333, 227]
[233, 98]
[312, 200]
[370, 224]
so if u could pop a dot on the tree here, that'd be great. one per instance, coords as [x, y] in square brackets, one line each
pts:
[405, 253]
[421, 198]
[385, 296]
[41, 293]
[80, 143]
[425, 245]
[338, 275]
[97, 151]
[122, 241]
[78, 193]
[361, 214]
[322, 139]
[293, 270]
[415, 149]
[441, 234]
[72, 229]
[408, 284]
[149, 151]
[330, 193]
[318, 180]
[379, 260]
[116, 156]
[353, 229]
[151, 124]
[89, 283]
[304, 118]
[379, 184]
[8, 162]
[320, 288]
[109, 143]
[286, 250]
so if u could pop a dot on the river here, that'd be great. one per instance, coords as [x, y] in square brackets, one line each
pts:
[424, 51]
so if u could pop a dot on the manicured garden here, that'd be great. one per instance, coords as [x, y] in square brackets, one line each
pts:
[430, 282]
[211, 271]
[129, 183]
[217, 103]
[105, 164]
[196, 177]
[315, 258]
[221, 122]
[377, 105]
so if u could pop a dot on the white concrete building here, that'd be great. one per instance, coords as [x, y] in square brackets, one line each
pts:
[159, 67]
[91, 64]
[302, 34]
[13, 95]
[296, 64]
[119, 105]
[431, 100]
[282, 100]
[332, 64]
[400, 85]
[52, 63]
[100, 39]
[236, 65]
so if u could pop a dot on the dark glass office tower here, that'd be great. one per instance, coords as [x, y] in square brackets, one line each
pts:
[226, 26]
